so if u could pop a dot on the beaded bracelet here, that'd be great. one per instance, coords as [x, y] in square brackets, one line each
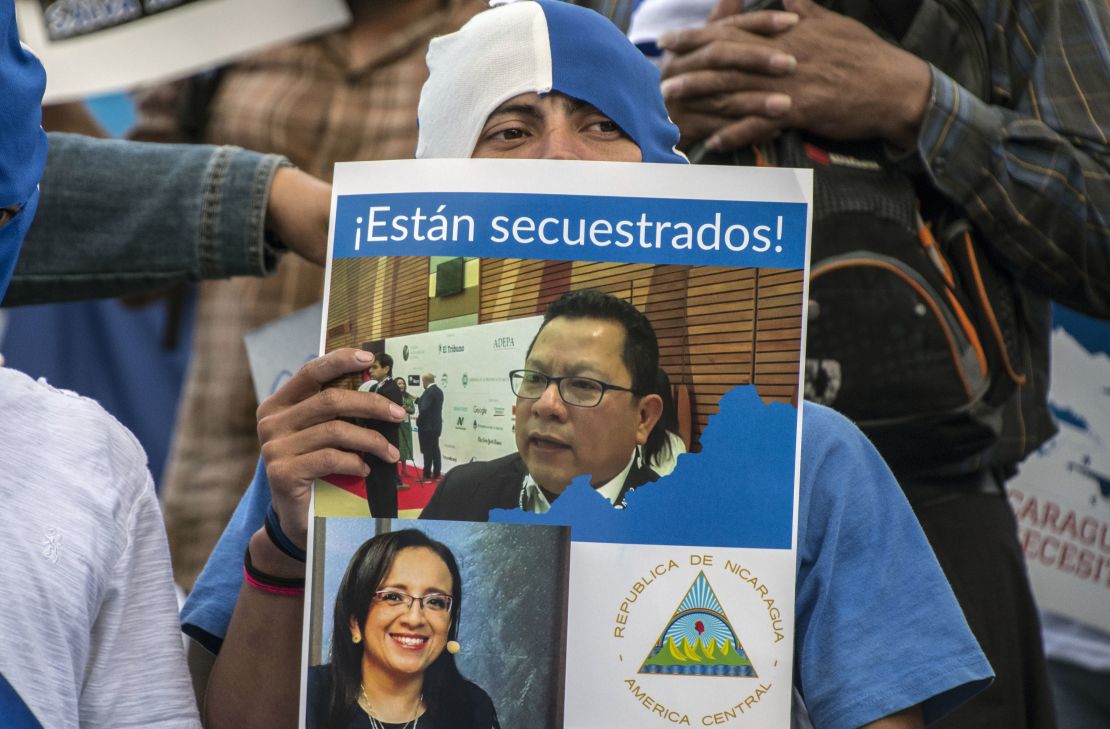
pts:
[279, 538]
[285, 586]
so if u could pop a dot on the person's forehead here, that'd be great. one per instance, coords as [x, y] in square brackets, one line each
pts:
[418, 564]
[595, 340]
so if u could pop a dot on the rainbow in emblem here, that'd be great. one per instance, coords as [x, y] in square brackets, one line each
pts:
[699, 640]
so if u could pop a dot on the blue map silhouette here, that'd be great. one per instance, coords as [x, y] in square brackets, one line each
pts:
[737, 492]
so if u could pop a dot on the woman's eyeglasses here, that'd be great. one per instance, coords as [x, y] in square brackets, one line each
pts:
[435, 602]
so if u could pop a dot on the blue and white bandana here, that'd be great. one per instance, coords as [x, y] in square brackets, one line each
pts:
[22, 140]
[539, 46]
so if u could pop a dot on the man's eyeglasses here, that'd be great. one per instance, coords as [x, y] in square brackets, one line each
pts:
[436, 602]
[582, 392]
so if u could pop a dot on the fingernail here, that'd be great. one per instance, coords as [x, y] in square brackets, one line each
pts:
[778, 104]
[714, 144]
[363, 356]
[396, 411]
[665, 40]
[783, 21]
[671, 87]
[394, 454]
[783, 62]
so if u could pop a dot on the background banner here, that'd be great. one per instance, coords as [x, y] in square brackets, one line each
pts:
[1062, 494]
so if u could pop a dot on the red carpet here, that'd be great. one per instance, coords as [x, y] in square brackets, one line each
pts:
[415, 497]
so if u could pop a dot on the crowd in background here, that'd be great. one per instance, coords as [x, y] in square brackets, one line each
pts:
[1024, 159]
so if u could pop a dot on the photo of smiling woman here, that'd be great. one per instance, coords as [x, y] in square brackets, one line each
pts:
[396, 625]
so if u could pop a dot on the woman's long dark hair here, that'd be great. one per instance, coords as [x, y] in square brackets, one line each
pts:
[443, 684]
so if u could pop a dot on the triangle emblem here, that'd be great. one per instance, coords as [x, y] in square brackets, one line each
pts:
[699, 640]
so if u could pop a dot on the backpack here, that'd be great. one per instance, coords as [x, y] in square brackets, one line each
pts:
[912, 331]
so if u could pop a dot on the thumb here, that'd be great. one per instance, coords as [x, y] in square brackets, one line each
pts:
[726, 8]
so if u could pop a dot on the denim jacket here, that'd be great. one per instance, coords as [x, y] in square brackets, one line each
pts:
[119, 217]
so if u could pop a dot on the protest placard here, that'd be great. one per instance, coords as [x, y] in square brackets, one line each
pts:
[1062, 494]
[97, 46]
[677, 604]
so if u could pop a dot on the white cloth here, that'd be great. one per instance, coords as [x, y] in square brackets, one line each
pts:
[499, 54]
[664, 463]
[88, 618]
[653, 18]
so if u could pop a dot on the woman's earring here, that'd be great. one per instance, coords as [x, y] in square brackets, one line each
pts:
[356, 638]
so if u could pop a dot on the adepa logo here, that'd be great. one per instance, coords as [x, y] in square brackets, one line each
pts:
[405, 353]
[443, 380]
[465, 379]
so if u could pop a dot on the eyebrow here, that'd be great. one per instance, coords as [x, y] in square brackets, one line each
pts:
[533, 111]
[576, 369]
[404, 588]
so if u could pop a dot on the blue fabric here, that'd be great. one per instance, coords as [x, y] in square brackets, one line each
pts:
[14, 710]
[878, 628]
[22, 140]
[582, 42]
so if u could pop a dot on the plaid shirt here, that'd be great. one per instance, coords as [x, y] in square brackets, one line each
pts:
[1030, 167]
[311, 103]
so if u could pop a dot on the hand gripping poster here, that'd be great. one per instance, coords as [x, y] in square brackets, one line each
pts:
[601, 365]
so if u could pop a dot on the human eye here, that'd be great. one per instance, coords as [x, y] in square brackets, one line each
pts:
[584, 386]
[603, 125]
[508, 134]
[438, 603]
[391, 597]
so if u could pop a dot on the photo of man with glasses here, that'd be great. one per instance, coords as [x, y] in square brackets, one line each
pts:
[584, 406]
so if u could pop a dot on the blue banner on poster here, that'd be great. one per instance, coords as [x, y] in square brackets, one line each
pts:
[572, 228]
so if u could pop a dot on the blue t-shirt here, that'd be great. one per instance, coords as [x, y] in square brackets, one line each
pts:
[878, 628]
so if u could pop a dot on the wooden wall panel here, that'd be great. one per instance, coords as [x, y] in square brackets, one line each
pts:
[374, 298]
[717, 327]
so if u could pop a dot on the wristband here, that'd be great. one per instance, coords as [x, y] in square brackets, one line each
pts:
[279, 538]
[285, 586]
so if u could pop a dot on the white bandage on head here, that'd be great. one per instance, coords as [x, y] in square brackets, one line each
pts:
[499, 54]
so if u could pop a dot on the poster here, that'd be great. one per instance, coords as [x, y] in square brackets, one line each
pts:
[679, 602]
[97, 46]
[1062, 494]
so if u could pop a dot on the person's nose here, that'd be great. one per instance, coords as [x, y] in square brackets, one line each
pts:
[550, 404]
[562, 141]
[414, 615]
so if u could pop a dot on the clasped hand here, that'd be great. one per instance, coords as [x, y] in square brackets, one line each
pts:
[744, 77]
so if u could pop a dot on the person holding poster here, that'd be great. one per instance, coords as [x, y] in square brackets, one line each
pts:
[395, 634]
[881, 641]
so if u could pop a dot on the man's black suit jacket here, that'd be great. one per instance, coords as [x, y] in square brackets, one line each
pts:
[388, 389]
[469, 491]
[430, 416]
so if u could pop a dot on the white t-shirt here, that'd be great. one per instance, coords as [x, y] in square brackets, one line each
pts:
[89, 631]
